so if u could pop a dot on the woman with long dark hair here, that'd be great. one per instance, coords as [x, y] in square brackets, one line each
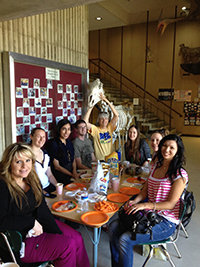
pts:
[136, 149]
[23, 208]
[164, 187]
[61, 152]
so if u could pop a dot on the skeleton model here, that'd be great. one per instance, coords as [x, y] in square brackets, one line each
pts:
[125, 118]
[95, 88]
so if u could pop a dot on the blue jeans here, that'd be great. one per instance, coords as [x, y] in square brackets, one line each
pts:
[121, 244]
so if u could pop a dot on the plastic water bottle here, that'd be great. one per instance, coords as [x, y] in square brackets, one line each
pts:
[84, 200]
[149, 163]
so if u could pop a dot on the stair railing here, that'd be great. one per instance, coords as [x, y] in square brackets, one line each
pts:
[113, 76]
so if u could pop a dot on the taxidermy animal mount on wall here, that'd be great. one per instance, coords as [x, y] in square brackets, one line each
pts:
[190, 58]
[192, 15]
[189, 55]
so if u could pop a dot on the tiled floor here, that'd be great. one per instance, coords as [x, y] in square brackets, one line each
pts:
[189, 248]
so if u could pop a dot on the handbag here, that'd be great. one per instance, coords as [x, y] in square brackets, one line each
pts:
[138, 222]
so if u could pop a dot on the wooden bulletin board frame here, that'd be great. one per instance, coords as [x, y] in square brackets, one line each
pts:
[17, 67]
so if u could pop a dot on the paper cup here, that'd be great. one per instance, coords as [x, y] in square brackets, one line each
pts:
[94, 166]
[115, 184]
[59, 188]
[10, 264]
[86, 178]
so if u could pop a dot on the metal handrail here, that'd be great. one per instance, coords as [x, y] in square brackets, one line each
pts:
[147, 100]
[131, 89]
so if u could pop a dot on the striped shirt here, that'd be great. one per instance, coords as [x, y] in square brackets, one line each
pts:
[159, 190]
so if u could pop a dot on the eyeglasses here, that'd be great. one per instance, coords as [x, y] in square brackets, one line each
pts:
[80, 127]
[68, 155]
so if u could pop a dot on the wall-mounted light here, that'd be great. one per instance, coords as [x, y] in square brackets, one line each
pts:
[98, 18]
[185, 11]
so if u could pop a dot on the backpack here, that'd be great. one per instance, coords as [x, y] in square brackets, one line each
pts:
[190, 202]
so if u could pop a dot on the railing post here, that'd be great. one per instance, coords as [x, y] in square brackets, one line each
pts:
[145, 71]
[99, 55]
[121, 61]
[172, 79]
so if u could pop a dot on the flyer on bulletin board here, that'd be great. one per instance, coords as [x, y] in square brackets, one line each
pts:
[182, 95]
[166, 94]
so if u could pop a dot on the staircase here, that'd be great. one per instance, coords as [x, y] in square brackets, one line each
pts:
[147, 120]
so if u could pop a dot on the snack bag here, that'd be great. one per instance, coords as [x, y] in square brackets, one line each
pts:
[103, 183]
[94, 184]
[112, 159]
[100, 180]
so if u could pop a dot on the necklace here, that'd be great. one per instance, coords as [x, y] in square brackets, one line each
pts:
[164, 167]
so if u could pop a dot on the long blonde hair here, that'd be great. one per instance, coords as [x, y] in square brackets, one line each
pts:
[10, 153]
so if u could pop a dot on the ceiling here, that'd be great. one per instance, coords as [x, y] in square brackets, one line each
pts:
[114, 13]
[13, 9]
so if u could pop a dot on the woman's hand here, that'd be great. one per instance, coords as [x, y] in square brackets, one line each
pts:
[37, 228]
[128, 204]
[102, 97]
[130, 207]
[76, 176]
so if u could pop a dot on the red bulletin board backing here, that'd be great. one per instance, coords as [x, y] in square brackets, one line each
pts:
[42, 102]
[40, 92]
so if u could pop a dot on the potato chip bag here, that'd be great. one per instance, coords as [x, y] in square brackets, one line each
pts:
[100, 180]
[112, 159]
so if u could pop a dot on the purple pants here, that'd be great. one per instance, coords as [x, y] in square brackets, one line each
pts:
[67, 250]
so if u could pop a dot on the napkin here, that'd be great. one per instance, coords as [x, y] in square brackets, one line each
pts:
[30, 233]
[126, 184]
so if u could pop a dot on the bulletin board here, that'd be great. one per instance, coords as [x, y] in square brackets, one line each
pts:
[39, 93]
[192, 113]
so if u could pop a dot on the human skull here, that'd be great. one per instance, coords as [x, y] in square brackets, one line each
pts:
[95, 88]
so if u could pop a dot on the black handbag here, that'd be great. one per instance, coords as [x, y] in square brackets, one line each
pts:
[139, 222]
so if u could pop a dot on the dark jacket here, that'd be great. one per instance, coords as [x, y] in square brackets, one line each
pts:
[22, 220]
[144, 151]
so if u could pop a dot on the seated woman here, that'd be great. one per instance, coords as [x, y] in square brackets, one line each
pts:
[23, 208]
[156, 136]
[136, 150]
[61, 152]
[42, 163]
[168, 176]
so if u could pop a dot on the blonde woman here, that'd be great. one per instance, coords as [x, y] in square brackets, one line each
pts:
[23, 208]
[42, 163]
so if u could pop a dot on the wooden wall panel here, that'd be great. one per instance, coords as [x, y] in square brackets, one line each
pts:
[60, 36]
[159, 71]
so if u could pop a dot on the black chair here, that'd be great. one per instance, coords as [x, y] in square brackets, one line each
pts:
[11, 241]
[171, 240]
